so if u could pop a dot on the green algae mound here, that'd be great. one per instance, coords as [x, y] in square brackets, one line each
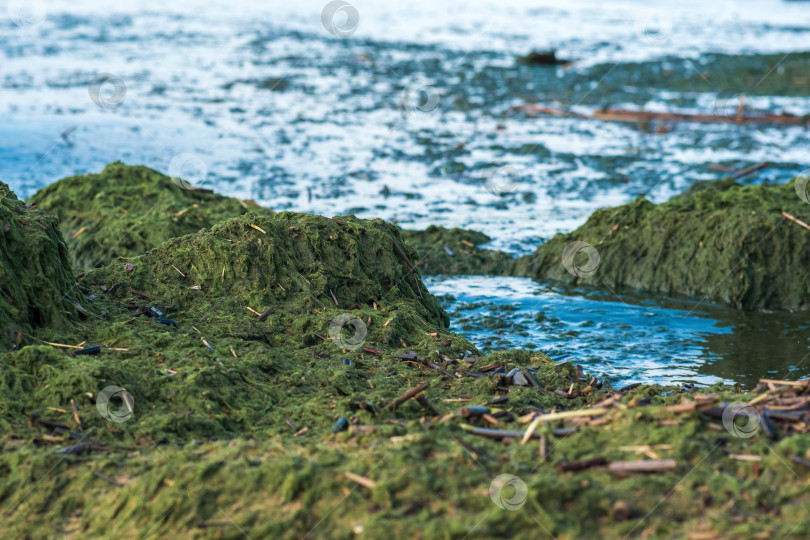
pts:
[211, 331]
[241, 409]
[290, 260]
[456, 252]
[719, 242]
[37, 287]
[127, 210]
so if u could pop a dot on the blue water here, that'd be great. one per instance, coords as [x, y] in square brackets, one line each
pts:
[404, 119]
[626, 338]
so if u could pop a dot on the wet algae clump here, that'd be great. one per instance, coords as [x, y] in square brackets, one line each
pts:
[456, 252]
[289, 376]
[37, 287]
[216, 329]
[126, 210]
[288, 263]
[718, 242]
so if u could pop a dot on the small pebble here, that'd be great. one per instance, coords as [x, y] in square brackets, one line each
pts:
[621, 511]
[519, 379]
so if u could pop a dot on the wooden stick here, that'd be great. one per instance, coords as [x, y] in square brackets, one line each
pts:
[466, 412]
[800, 222]
[62, 345]
[619, 115]
[530, 430]
[407, 395]
[362, 480]
[748, 170]
[267, 313]
[643, 466]
[76, 414]
[571, 414]
[762, 397]
[801, 384]
[510, 433]
[426, 404]
[405, 257]
[476, 453]
[582, 465]
[141, 294]
[107, 479]
[745, 457]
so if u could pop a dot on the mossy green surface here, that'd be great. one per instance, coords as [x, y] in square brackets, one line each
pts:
[719, 243]
[237, 421]
[429, 480]
[465, 257]
[208, 366]
[126, 210]
[37, 287]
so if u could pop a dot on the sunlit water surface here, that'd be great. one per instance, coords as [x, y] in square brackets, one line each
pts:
[271, 106]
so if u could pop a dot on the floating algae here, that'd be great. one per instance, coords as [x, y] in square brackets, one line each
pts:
[456, 252]
[732, 76]
[719, 242]
[127, 210]
[36, 284]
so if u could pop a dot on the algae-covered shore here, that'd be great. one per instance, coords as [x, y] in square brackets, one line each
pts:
[288, 375]
[743, 246]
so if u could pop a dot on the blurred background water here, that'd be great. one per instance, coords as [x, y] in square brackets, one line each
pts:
[404, 117]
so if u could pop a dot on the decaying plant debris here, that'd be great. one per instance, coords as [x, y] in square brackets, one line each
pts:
[251, 413]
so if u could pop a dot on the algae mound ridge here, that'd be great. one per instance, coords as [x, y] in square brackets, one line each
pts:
[126, 210]
[722, 242]
[37, 287]
[257, 260]
[212, 331]
[456, 252]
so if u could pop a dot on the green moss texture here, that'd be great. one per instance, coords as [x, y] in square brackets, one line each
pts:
[127, 210]
[728, 243]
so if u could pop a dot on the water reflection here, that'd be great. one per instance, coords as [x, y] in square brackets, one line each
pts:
[627, 338]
